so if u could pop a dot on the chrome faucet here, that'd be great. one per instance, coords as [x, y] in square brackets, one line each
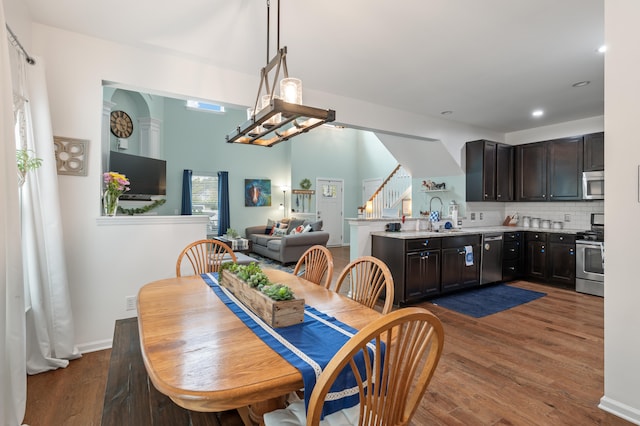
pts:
[430, 202]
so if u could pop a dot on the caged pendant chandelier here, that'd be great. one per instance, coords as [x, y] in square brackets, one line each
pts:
[275, 119]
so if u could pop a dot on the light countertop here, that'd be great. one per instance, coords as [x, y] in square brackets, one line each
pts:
[408, 234]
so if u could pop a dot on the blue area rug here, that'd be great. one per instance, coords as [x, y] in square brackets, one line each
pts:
[269, 263]
[485, 301]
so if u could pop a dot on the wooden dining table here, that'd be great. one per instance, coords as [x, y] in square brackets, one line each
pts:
[201, 355]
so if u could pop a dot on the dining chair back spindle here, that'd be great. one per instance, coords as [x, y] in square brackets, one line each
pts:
[366, 278]
[401, 351]
[316, 265]
[204, 256]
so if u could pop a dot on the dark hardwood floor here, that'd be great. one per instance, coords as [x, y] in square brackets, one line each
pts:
[536, 364]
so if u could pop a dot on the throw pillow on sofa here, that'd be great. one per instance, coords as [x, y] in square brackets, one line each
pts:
[315, 225]
[298, 230]
[279, 226]
[279, 232]
[294, 223]
[270, 225]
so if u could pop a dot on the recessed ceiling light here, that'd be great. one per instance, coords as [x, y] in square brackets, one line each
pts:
[446, 112]
[602, 49]
[537, 113]
[581, 83]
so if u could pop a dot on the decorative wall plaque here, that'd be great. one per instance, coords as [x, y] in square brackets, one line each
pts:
[72, 156]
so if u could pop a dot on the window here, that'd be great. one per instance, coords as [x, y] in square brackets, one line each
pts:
[203, 106]
[204, 196]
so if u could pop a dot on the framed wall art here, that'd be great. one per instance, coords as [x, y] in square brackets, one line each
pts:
[257, 192]
[71, 156]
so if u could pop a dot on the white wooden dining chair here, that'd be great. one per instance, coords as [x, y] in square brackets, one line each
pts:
[409, 343]
[204, 256]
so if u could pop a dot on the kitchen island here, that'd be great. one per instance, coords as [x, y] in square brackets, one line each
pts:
[427, 264]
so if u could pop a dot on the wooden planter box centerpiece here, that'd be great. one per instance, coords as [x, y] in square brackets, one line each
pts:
[276, 313]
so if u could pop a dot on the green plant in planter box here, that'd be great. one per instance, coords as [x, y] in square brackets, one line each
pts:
[253, 275]
[232, 233]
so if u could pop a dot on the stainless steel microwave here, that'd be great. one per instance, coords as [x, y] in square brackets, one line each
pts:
[593, 185]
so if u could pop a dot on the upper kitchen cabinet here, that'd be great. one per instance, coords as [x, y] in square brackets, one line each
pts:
[489, 171]
[531, 172]
[550, 171]
[594, 152]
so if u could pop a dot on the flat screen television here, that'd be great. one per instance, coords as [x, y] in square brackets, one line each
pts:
[147, 176]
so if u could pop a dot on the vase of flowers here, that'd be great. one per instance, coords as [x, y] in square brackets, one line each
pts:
[116, 184]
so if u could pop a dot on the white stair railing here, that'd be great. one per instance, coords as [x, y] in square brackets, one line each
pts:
[395, 188]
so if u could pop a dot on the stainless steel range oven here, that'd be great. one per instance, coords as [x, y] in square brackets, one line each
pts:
[590, 258]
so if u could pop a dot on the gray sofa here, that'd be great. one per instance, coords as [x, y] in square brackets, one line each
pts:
[284, 249]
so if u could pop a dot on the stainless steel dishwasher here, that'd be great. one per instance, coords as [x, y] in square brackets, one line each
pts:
[491, 260]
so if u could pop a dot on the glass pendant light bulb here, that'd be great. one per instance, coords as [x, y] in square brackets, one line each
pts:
[275, 120]
[251, 116]
[291, 90]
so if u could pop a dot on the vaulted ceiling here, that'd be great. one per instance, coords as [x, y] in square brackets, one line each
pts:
[489, 62]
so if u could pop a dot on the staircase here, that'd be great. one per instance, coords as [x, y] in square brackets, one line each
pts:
[395, 188]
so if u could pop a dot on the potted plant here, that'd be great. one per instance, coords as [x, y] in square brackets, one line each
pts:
[26, 162]
[275, 303]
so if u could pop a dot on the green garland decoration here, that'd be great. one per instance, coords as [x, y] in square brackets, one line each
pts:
[142, 210]
[305, 183]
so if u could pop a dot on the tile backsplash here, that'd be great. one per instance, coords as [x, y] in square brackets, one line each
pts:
[578, 212]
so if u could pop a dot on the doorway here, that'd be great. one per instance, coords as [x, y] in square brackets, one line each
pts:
[329, 208]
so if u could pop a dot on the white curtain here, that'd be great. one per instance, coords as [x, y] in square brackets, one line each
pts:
[34, 279]
[49, 322]
[13, 378]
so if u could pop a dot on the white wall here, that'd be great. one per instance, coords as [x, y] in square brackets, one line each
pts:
[622, 208]
[561, 130]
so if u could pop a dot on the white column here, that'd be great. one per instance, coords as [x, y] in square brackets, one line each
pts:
[106, 133]
[150, 137]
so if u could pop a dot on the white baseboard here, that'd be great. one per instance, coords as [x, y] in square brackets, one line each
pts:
[619, 409]
[95, 346]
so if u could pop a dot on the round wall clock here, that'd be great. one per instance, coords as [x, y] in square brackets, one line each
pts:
[121, 125]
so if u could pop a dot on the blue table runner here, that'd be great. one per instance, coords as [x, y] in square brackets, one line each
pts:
[308, 346]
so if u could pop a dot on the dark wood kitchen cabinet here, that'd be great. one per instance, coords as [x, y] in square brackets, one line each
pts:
[456, 274]
[594, 152]
[551, 257]
[536, 255]
[489, 171]
[414, 265]
[565, 159]
[422, 274]
[562, 259]
[531, 172]
[550, 170]
[512, 256]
